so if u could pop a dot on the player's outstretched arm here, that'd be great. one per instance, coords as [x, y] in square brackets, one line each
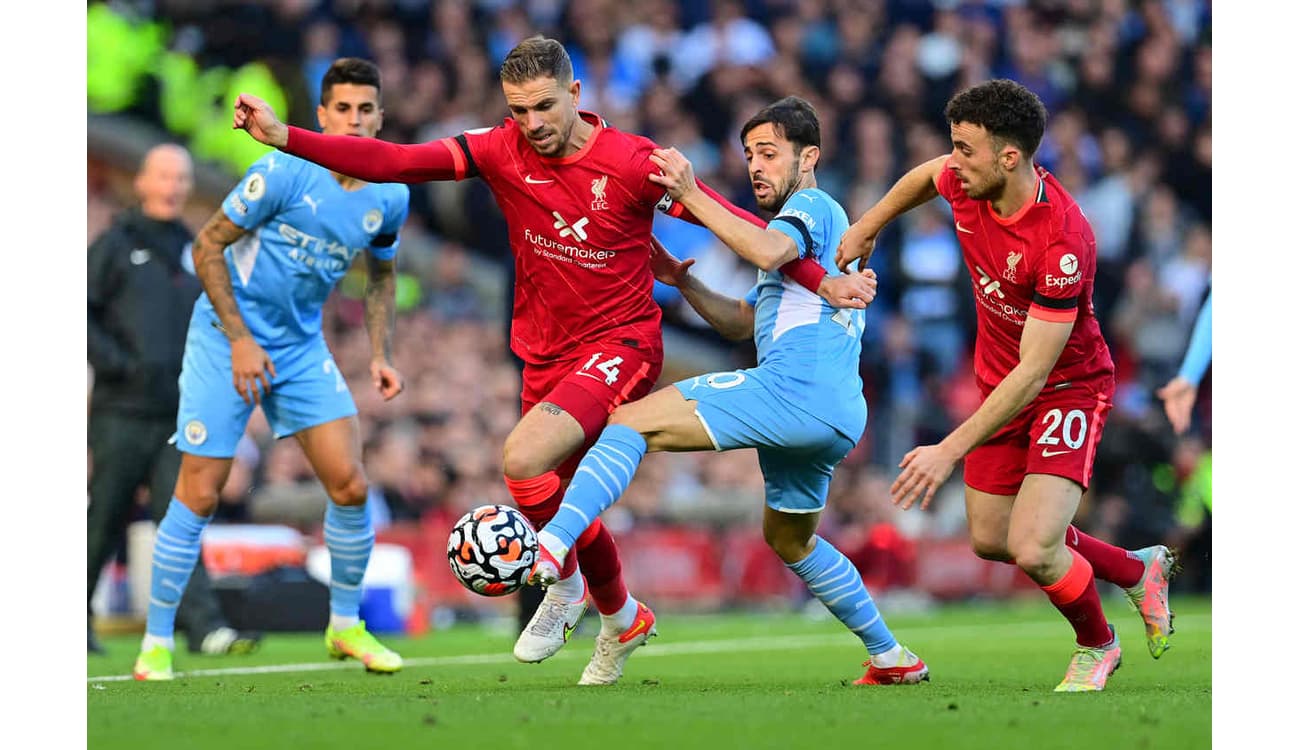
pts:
[248, 361]
[912, 189]
[768, 249]
[926, 468]
[256, 116]
[381, 304]
[730, 317]
[368, 159]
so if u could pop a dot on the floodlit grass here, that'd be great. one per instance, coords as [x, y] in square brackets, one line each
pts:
[726, 681]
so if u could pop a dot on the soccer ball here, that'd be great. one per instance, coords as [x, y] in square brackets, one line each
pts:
[492, 549]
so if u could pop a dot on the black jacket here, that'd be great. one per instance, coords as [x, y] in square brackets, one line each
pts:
[139, 299]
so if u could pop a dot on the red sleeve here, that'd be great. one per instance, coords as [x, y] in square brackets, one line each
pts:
[373, 160]
[805, 271]
[1059, 279]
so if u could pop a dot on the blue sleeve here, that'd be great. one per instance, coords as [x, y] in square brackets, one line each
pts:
[262, 193]
[805, 218]
[751, 297]
[1197, 358]
[384, 246]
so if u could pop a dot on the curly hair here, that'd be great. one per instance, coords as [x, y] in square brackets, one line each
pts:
[1008, 110]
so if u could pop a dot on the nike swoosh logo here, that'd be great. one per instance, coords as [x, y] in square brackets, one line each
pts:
[529, 179]
[1049, 454]
[568, 630]
[637, 627]
[961, 228]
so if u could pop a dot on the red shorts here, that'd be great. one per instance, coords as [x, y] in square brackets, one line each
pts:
[589, 386]
[1056, 434]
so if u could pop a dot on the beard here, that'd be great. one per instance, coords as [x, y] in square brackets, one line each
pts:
[559, 142]
[989, 188]
[779, 193]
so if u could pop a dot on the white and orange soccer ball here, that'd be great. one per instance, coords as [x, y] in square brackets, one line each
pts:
[492, 549]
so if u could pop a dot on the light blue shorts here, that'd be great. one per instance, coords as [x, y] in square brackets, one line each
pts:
[796, 451]
[307, 390]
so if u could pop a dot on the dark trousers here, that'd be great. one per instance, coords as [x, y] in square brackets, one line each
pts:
[129, 451]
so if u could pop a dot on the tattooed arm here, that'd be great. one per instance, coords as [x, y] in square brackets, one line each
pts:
[248, 362]
[381, 301]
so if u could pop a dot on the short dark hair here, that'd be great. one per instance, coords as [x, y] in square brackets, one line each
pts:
[352, 70]
[792, 118]
[1008, 110]
[537, 57]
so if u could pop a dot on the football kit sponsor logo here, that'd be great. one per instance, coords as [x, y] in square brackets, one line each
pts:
[990, 286]
[577, 229]
[311, 202]
[531, 181]
[1069, 264]
[963, 229]
[139, 256]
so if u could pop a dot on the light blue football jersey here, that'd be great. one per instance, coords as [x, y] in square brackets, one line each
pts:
[808, 351]
[305, 230]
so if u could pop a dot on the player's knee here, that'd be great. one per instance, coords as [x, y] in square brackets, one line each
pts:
[350, 489]
[200, 501]
[519, 460]
[1032, 557]
[990, 548]
[790, 547]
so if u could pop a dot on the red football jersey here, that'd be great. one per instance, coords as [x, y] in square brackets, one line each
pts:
[1041, 262]
[579, 228]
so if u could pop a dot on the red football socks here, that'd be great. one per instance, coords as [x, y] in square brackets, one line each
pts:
[603, 568]
[1075, 595]
[1109, 563]
[538, 498]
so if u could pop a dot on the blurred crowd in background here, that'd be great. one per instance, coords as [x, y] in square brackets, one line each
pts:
[1127, 88]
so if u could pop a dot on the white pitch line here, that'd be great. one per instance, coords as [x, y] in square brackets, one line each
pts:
[721, 646]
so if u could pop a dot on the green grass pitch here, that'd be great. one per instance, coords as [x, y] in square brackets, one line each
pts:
[724, 681]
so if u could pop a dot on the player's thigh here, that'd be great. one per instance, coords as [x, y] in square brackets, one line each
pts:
[667, 421]
[211, 416]
[199, 482]
[988, 517]
[568, 403]
[334, 451]
[738, 410]
[1066, 429]
[1041, 513]
[997, 466]
[796, 481]
[308, 390]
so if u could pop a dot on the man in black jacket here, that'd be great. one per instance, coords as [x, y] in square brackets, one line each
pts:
[139, 296]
